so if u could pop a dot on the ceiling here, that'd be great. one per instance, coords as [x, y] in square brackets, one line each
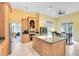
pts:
[48, 8]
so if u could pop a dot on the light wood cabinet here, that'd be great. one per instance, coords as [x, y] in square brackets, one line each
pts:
[45, 49]
[59, 48]
[36, 23]
[49, 49]
[4, 27]
[25, 24]
[25, 38]
[25, 28]
[2, 20]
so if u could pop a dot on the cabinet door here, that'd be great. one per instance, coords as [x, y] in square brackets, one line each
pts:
[45, 48]
[1, 22]
[34, 42]
[37, 25]
[25, 38]
[59, 48]
[24, 24]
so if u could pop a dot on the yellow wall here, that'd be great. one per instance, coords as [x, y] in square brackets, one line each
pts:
[17, 15]
[69, 18]
[43, 18]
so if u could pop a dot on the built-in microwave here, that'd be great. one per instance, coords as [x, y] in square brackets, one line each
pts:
[31, 31]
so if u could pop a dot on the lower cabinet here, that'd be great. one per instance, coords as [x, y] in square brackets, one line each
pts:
[45, 49]
[3, 51]
[49, 49]
[59, 48]
[25, 38]
[0, 51]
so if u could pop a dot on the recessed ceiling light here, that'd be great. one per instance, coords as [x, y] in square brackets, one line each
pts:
[50, 7]
[26, 7]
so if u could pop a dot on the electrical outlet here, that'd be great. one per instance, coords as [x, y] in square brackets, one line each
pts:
[61, 46]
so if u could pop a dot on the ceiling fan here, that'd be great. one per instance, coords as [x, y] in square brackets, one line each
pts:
[61, 12]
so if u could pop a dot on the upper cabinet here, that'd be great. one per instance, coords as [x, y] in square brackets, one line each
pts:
[33, 23]
[4, 17]
[5, 10]
[25, 24]
[30, 23]
[2, 25]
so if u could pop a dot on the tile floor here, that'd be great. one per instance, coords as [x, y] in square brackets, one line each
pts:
[72, 50]
[19, 49]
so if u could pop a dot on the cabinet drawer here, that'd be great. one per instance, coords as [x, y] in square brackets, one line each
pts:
[0, 51]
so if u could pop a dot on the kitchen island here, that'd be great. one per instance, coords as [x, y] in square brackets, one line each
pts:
[49, 46]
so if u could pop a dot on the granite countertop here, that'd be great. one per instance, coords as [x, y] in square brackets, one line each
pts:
[50, 39]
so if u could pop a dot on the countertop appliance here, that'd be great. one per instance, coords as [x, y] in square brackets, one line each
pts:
[31, 33]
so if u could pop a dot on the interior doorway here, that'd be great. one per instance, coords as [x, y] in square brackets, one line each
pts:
[16, 31]
[15, 36]
[68, 29]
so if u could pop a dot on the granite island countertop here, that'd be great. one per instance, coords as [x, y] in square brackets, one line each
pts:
[51, 39]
